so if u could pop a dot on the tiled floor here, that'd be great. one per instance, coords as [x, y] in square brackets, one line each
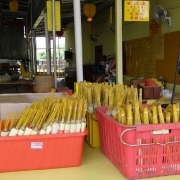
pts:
[95, 166]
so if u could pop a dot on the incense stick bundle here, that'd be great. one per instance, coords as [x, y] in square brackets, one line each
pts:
[177, 104]
[123, 117]
[129, 115]
[162, 99]
[155, 119]
[146, 116]
[140, 95]
[175, 116]
[168, 117]
[161, 117]
[137, 119]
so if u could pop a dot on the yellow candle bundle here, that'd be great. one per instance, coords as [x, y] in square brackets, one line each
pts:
[168, 117]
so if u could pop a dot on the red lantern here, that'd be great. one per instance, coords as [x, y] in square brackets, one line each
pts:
[13, 5]
[59, 33]
[15, 23]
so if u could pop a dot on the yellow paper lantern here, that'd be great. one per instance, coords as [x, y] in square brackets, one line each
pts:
[89, 11]
[13, 5]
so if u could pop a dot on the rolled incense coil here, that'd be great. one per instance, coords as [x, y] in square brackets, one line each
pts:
[161, 117]
[146, 116]
[155, 119]
[175, 116]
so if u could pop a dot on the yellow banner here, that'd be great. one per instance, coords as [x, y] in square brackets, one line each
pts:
[136, 10]
[57, 16]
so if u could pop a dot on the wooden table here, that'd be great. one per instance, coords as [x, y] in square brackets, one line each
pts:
[12, 84]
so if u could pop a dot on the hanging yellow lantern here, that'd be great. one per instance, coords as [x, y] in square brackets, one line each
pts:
[13, 5]
[89, 9]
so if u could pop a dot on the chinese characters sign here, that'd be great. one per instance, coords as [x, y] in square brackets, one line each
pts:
[136, 10]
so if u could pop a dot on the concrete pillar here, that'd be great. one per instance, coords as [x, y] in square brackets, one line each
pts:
[118, 43]
[78, 39]
[48, 50]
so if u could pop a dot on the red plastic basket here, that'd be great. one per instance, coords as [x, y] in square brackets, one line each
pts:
[140, 151]
[41, 151]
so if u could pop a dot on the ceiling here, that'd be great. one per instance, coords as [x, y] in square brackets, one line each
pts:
[24, 12]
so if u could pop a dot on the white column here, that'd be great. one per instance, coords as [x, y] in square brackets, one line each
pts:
[34, 53]
[119, 60]
[78, 39]
[48, 59]
[54, 42]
